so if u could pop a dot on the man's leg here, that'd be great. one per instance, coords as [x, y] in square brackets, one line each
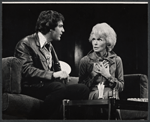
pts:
[77, 92]
[55, 93]
[58, 92]
[52, 93]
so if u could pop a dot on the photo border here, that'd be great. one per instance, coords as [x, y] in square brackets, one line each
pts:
[55, 1]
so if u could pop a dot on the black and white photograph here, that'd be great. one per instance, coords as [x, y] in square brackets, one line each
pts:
[74, 61]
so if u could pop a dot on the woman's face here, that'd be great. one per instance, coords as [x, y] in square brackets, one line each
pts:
[99, 44]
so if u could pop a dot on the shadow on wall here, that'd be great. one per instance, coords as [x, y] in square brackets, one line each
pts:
[78, 54]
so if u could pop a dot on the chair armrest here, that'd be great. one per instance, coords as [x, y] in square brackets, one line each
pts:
[20, 105]
[11, 75]
[73, 80]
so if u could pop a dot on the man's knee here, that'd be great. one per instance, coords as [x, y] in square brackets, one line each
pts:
[56, 86]
[83, 87]
[83, 91]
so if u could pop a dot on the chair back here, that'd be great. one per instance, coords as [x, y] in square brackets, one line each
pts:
[135, 86]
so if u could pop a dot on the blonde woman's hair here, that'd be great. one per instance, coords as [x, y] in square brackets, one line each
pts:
[107, 32]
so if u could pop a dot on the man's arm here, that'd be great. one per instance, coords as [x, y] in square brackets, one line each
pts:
[23, 51]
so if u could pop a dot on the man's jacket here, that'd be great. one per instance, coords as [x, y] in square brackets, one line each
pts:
[35, 67]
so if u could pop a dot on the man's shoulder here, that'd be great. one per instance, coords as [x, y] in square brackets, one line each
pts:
[28, 40]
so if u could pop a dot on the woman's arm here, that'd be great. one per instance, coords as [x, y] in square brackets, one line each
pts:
[119, 74]
[82, 70]
[85, 69]
[117, 82]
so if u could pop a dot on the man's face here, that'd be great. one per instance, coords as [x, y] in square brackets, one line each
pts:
[58, 31]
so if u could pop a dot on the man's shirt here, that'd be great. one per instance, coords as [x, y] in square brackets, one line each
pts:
[47, 51]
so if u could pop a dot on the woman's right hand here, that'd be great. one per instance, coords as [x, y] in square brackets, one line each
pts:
[96, 67]
[102, 68]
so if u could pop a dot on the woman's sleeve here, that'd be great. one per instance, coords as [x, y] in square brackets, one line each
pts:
[85, 72]
[82, 70]
[118, 80]
[119, 75]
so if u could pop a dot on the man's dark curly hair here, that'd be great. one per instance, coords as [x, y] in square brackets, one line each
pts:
[48, 20]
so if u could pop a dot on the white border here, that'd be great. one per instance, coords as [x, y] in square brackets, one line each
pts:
[77, 2]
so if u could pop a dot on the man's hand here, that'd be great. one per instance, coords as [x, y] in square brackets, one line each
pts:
[60, 74]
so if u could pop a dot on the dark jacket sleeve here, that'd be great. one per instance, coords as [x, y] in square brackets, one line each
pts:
[24, 52]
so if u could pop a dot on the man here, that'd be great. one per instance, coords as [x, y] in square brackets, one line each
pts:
[41, 73]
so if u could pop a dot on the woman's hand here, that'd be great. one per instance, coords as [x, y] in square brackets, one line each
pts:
[102, 68]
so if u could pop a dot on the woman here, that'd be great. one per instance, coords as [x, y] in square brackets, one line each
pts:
[102, 69]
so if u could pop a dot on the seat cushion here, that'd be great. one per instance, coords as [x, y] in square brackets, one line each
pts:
[11, 75]
[133, 114]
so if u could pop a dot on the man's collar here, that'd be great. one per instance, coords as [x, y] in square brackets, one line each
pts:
[42, 39]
